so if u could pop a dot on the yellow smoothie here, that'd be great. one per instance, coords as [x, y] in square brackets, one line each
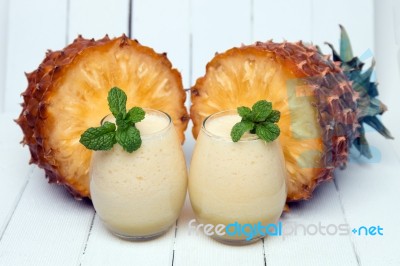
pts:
[231, 182]
[141, 194]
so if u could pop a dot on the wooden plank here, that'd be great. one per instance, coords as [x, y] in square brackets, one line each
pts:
[301, 248]
[34, 27]
[150, 28]
[51, 224]
[369, 191]
[96, 18]
[14, 168]
[357, 16]
[369, 187]
[316, 21]
[103, 248]
[188, 146]
[199, 249]
[3, 49]
[216, 27]
[289, 20]
[387, 51]
[48, 227]
[164, 26]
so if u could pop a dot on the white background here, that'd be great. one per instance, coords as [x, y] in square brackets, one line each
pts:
[42, 225]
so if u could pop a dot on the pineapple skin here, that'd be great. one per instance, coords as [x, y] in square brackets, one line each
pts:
[32, 119]
[334, 100]
[34, 108]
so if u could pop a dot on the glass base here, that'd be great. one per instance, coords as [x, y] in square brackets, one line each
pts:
[236, 242]
[139, 238]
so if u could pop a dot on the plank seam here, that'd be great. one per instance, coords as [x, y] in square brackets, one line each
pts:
[87, 238]
[252, 21]
[265, 257]
[345, 220]
[173, 247]
[312, 21]
[18, 200]
[191, 81]
[130, 18]
[67, 22]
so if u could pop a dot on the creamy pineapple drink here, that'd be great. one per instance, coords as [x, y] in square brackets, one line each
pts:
[231, 182]
[140, 194]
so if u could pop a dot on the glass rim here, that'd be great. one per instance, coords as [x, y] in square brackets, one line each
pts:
[253, 137]
[154, 111]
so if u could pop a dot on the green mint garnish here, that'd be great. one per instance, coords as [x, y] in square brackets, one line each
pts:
[117, 102]
[129, 139]
[259, 120]
[123, 132]
[240, 128]
[99, 138]
[261, 111]
[136, 114]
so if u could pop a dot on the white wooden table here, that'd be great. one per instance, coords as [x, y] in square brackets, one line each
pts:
[42, 224]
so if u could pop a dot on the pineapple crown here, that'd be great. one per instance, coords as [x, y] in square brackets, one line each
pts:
[367, 104]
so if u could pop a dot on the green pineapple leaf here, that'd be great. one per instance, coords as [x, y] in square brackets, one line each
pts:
[346, 52]
[361, 144]
[375, 107]
[374, 122]
[367, 104]
[336, 56]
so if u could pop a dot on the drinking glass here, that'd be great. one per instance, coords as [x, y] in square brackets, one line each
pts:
[139, 195]
[237, 185]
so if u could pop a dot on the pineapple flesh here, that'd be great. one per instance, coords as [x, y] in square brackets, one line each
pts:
[68, 94]
[324, 105]
[317, 104]
[322, 113]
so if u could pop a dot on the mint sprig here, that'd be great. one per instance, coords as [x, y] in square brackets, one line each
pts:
[123, 132]
[103, 136]
[259, 120]
[117, 102]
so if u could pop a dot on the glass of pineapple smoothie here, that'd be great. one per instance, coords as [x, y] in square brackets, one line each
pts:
[235, 183]
[139, 195]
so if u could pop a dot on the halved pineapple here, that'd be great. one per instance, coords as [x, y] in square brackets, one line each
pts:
[318, 107]
[68, 94]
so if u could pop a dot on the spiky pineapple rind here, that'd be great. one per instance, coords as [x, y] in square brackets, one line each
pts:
[32, 119]
[335, 101]
[33, 108]
[367, 104]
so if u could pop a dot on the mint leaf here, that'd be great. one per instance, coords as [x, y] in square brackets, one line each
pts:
[267, 131]
[261, 111]
[99, 138]
[240, 128]
[123, 131]
[136, 114]
[117, 101]
[244, 112]
[258, 120]
[274, 116]
[129, 139]
[122, 122]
